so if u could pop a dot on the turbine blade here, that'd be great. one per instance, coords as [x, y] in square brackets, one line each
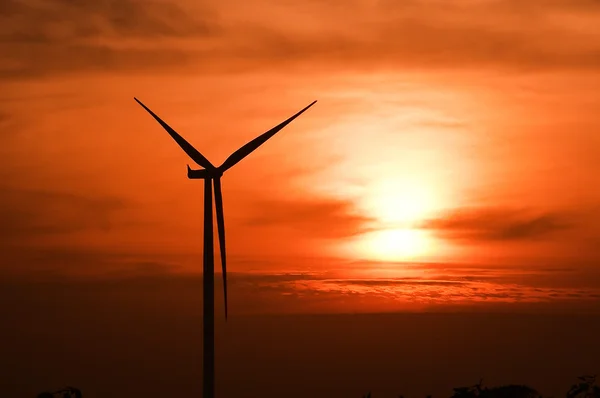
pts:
[186, 146]
[247, 149]
[221, 232]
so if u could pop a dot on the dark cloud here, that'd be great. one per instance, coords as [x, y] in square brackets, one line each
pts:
[42, 60]
[492, 224]
[433, 35]
[38, 263]
[360, 35]
[57, 36]
[103, 270]
[68, 21]
[4, 118]
[27, 214]
[64, 262]
[318, 217]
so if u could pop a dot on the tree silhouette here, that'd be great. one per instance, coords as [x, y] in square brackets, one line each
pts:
[586, 388]
[67, 392]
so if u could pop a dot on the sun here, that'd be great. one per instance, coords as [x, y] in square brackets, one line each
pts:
[397, 207]
[395, 244]
[401, 201]
[392, 245]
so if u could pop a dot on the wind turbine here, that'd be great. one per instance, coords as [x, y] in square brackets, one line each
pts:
[212, 175]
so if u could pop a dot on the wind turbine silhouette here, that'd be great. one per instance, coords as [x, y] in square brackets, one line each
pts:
[212, 175]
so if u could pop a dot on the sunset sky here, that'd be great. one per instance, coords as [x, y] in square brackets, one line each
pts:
[452, 157]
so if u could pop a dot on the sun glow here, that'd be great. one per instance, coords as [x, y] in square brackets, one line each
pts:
[397, 206]
[401, 202]
[396, 244]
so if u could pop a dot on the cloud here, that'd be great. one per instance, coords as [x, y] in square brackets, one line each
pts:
[55, 36]
[389, 294]
[76, 58]
[427, 34]
[4, 118]
[497, 224]
[315, 217]
[36, 263]
[85, 35]
[392, 282]
[67, 263]
[290, 292]
[26, 214]
[67, 21]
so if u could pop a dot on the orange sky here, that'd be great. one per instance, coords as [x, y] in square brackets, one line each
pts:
[463, 132]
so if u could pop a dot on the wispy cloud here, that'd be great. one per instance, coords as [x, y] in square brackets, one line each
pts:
[316, 217]
[401, 291]
[317, 291]
[449, 34]
[498, 224]
[68, 263]
[5, 120]
[65, 21]
[57, 36]
[26, 214]
[236, 36]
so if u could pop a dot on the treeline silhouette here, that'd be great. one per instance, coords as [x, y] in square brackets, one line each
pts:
[67, 392]
[586, 387]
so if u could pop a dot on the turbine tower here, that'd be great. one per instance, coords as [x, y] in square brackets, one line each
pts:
[212, 176]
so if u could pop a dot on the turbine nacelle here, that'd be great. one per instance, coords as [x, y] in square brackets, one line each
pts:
[202, 174]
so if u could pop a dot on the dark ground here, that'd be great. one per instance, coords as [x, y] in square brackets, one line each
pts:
[111, 341]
